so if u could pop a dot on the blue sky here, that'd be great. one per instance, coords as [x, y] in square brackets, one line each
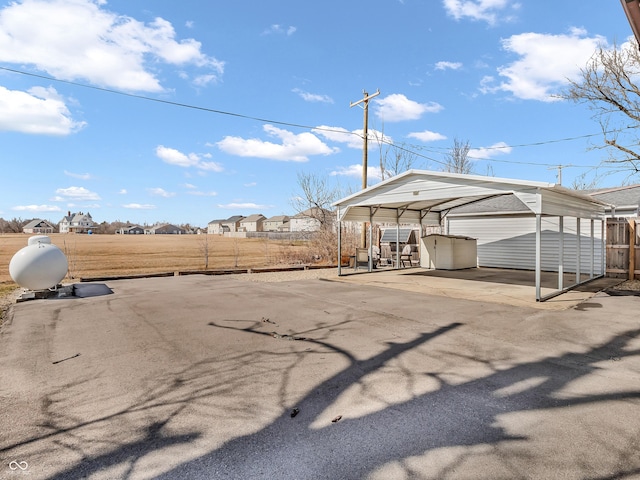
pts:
[222, 104]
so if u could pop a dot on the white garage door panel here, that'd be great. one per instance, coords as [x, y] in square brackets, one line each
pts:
[510, 242]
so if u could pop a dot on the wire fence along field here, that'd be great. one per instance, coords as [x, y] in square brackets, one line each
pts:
[112, 255]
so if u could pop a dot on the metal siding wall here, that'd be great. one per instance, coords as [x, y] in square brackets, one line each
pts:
[509, 242]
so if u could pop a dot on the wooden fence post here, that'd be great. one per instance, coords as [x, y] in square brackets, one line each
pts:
[632, 249]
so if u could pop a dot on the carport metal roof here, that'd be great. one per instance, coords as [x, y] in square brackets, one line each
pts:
[424, 197]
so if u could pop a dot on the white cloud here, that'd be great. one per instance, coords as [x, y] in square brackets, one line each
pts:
[80, 176]
[243, 206]
[204, 80]
[279, 29]
[80, 39]
[139, 206]
[500, 148]
[198, 193]
[76, 194]
[427, 136]
[396, 108]
[210, 166]
[354, 138]
[38, 111]
[448, 65]
[313, 97]
[36, 208]
[176, 157]
[250, 184]
[293, 147]
[123, 191]
[489, 11]
[160, 192]
[546, 62]
[355, 171]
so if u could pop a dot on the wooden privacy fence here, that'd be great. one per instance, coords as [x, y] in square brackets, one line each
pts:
[623, 248]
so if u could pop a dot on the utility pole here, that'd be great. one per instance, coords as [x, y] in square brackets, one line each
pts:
[560, 167]
[365, 147]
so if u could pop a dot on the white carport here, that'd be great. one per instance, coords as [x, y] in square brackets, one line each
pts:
[424, 197]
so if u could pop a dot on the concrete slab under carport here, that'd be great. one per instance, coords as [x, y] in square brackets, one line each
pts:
[495, 285]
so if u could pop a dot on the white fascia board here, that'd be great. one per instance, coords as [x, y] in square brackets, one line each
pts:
[436, 182]
[463, 177]
[564, 204]
[425, 192]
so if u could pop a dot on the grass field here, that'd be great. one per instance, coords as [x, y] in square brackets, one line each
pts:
[112, 255]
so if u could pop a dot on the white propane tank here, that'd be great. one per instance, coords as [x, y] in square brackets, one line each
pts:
[38, 266]
[38, 239]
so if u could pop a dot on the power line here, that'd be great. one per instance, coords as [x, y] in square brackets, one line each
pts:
[178, 104]
[325, 129]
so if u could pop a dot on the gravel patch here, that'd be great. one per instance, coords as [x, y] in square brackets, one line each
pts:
[288, 276]
[633, 285]
[7, 300]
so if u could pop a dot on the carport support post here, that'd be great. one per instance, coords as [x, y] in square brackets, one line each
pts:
[397, 241]
[578, 253]
[603, 248]
[561, 253]
[370, 240]
[339, 247]
[593, 247]
[538, 254]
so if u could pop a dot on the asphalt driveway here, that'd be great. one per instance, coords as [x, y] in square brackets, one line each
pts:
[218, 378]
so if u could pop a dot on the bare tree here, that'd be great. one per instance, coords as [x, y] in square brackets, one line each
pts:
[236, 252]
[205, 248]
[12, 226]
[580, 182]
[316, 198]
[401, 160]
[608, 86]
[394, 158]
[457, 160]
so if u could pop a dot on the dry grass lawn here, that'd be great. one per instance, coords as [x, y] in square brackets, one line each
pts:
[112, 255]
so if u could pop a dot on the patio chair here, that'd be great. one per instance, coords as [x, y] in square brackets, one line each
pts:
[405, 256]
[362, 258]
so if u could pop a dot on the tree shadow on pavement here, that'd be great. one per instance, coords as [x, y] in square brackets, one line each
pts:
[455, 415]
[473, 416]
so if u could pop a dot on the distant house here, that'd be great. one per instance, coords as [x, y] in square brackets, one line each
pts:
[624, 201]
[311, 220]
[214, 227]
[284, 227]
[275, 224]
[232, 224]
[253, 223]
[164, 229]
[37, 226]
[130, 230]
[76, 223]
[219, 227]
